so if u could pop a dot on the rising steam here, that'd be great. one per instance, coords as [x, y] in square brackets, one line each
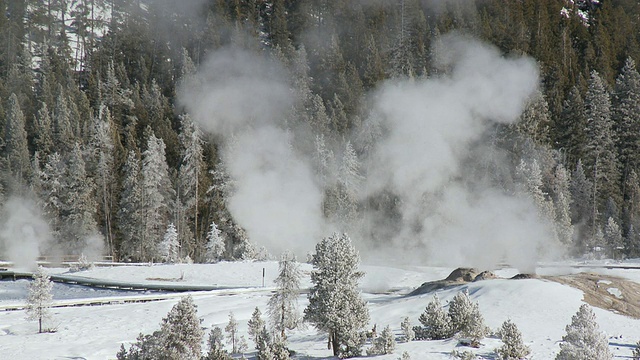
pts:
[431, 126]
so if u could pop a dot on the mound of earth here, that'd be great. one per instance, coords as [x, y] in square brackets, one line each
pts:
[524, 276]
[462, 274]
[459, 276]
[606, 292]
[485, 275]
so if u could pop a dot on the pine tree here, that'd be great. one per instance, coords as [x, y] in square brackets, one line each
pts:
[232, 333]
[17, 152]
[335, 305]
[169, 247]
[407, 331]
[466, 318]
[255, 325]
[216, 349]
[626, 115]
[181, 332]
[130, 212]
[383, 344]
[581, 193]
[283, 304]
[636, 352]
[263, 344]
[562, 202]
[43, 139]
[613, 238]
[215, 245]
[583, 339]
[513, 348]
[437, 323]
[39, 298]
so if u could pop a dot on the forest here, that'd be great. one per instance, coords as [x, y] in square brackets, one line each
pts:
[102, 103]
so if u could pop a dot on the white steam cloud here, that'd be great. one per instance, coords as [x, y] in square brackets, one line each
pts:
[430, 128]
[24, 233]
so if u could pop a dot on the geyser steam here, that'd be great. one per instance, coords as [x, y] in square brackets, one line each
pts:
[430, 128]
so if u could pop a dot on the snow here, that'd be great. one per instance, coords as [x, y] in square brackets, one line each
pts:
[615, 292]
[540, 308]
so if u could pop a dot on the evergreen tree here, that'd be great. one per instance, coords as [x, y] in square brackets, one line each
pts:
[17, 152]
[52, 179]
[216, 349]
[232, 333]
[513, 348]
[407, 331]
[283, 304]
[570, 131]
[383, 344]
[583, 339]
[466, 318]
[157, 195]
[636, 352]
[215, 245]
[130, 211]
[581, 193]
[42, 127]
[255, 325]
[562, 202]
[436, 321]
[181, 332]
[626, 116]
[335, 305]
[39, 298]
[613, 238]
[169, 247]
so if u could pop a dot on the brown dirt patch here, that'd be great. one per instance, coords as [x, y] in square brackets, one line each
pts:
[611, 293]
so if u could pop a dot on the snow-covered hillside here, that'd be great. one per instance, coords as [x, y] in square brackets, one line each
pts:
[540, 308]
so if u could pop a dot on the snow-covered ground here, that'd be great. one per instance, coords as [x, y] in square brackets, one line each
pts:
[541, 309]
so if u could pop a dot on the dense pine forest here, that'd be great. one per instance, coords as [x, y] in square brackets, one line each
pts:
[103, 138]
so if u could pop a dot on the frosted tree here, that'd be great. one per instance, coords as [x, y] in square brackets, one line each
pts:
[181, 331]
[407, 331]
[335, 305]
[282, 307]
[169, 247]
[626, 114]
[237, 342]
[562, 203]
[189, 179]
[42, 130]
[215, 244]
[157, 195]
[613, 238]
[383, 344]
[263, 345]
[16, 150]
[436, 322]
[130, 214]
[216, 349]
[636, 352]
[52, 180]
[513, 348]
[255, 325]
[63, 135]
[79, 203]
[583, 339]
[601, 160]
[581, 193]
[466, 318]
[39, 298]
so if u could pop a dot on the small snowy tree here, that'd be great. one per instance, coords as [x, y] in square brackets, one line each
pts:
[583, 339]
[255, 325]
[613, 238]
[407, 331]
[232, 333]
[335, 304]
[466, 318]
[283, 304]
[513, 348]
[181, 334]
[383, 344]
[169, 245]
[436, 322]
[636, 352]
[215, 244]
[39, 298]
[405, 356]
[216, 348]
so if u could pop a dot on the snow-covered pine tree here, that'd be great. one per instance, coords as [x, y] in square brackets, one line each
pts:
[583, 339]
[169, 247]
[255, 325]
[39, 298]
[562, 202]
[437, 323]
[263, 344]
[383, 344]
[189, 181]
[181, 334]
[130, 215]
[466, 318]
[335, 305]
[232, 333]
[407, 331]
[215, 244]
[15, 146]
[513, 348]
[216, 348]
[636, 352]
[282, 307]
[613, 238]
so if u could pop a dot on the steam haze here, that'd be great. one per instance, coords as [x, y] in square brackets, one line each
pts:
[431, 126]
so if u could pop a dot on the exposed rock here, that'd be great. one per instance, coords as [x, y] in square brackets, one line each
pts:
[485, 275]
[524, 276]
[462, 274]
